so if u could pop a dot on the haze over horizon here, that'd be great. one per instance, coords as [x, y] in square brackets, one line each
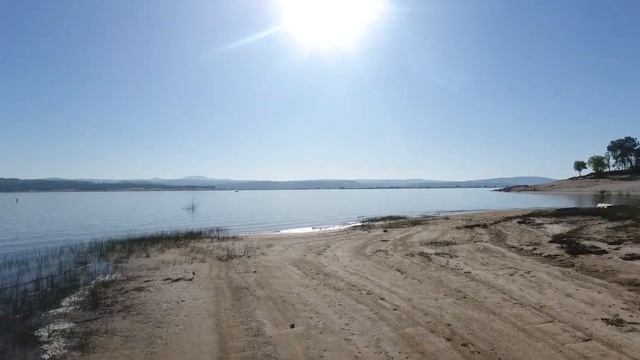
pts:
[232, 89]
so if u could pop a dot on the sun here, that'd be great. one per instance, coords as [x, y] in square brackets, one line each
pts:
[330, 24]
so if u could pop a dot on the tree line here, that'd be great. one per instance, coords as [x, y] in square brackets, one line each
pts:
[622, 154]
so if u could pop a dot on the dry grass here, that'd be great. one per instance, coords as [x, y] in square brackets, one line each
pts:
[392, 222]
[437, 243]
[222, 249]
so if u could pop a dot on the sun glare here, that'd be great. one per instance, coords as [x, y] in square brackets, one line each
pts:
[330, 24]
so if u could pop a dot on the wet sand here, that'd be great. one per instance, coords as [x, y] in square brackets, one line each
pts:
[480, 286]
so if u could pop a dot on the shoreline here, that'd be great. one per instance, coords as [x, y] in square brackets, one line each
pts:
[485, 285]
[293, 230]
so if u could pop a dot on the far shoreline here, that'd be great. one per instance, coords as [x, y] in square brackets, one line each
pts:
[242, 190]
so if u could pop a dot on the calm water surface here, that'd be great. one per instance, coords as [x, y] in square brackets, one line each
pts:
[48, 219]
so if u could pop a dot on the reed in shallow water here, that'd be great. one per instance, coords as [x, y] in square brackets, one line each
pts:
[34, 282]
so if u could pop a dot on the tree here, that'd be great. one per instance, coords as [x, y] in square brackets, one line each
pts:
[579, 165]
[624, 151]
[598, 164]
[607, 157]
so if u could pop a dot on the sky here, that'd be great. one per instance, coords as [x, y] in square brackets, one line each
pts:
[433, 89]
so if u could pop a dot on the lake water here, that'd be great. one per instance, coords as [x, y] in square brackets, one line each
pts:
[48, 219]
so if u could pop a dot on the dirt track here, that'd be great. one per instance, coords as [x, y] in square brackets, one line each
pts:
[483, 286]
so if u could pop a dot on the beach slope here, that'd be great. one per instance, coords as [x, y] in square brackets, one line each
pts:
[481, 286]
[628, 184]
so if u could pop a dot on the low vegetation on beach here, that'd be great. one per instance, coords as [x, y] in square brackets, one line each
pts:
[392, 222]
[33, 283]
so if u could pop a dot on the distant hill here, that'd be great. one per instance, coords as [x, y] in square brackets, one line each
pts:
[228, 184]
[20, 185]
[203, 183]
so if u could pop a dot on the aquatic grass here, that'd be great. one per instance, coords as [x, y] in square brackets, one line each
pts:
[34, 282]
[191, 206]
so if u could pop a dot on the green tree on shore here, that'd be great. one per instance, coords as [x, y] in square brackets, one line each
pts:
[608, 158]
[598, 164]
[579, 165]
[624, 152]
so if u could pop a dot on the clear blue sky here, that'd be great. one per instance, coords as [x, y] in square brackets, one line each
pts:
[435, 89]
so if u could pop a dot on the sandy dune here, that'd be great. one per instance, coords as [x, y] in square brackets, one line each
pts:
[483, 286]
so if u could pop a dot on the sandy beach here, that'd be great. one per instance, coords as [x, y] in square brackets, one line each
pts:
[475, 286]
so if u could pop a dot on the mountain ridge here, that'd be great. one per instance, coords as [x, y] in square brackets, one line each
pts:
[204, 183]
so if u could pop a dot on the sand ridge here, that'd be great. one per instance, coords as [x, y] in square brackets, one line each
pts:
[624, 185]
